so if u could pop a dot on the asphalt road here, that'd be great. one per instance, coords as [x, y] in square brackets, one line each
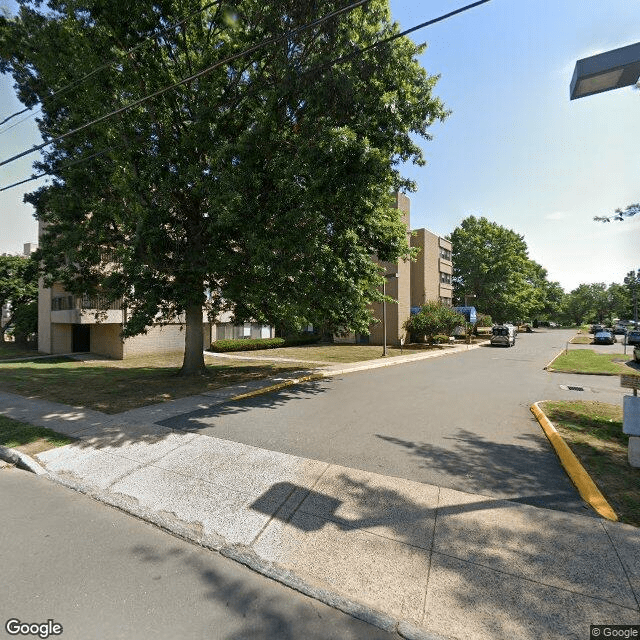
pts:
[461, 421]
[101, 573]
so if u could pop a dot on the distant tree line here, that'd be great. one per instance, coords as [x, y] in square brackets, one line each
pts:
[492, 269]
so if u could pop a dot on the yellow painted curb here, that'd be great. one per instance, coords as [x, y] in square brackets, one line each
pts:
[277, 387]
[576, 472]
[552, 361]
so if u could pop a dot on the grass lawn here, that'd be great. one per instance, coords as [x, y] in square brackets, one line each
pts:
[11, 350]
[113, 386]
[28, 438]
[588, 361]
[581, 340]
[325, 352]
[593, 430]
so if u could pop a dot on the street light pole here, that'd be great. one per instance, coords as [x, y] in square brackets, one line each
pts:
[384, 317]
[384, 311]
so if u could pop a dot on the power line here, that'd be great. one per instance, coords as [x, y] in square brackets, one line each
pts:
[422, 25]
[75, 83]
[48, 173]
[325, 65]
[195, 76]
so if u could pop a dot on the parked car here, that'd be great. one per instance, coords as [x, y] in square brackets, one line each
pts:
[604, 337]
[595, 328]
[636, 353]
[504, 335]
[633, 337]
[619, 330]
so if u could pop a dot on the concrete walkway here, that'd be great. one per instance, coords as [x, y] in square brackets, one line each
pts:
[421, 560]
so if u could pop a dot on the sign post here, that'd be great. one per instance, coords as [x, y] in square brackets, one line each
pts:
[631, 418]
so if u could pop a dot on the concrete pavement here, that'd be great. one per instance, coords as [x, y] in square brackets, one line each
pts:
[422, 560]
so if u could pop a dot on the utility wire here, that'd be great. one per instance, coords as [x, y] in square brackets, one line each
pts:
[325, 65]
[428, 23]
[108, 65]
[195, 76]
[48, 173]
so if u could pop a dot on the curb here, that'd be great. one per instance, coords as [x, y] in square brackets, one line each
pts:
[276, 387]
[553, 360]
[576, 472]
[21, 460]
[247, 557]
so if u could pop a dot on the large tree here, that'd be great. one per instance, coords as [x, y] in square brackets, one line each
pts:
[492, 263]
[262, 185]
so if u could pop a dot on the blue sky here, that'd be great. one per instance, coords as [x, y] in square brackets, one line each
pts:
[514, 149]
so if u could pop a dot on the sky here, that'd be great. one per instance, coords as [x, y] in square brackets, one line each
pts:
[515, 149]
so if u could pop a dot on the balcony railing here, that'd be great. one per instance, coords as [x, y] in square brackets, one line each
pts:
[67, 303]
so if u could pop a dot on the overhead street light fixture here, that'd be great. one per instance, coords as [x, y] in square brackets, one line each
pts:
[605, 71]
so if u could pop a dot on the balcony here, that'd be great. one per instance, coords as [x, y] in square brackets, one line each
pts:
[85, 310]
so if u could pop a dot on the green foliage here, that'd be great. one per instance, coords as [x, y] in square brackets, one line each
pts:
[295, 341]
[265, 182]
[597, 302]
[620, 214]
[434, 320]
[249, 344]
[25, 322]
[246, 344]
[18, 286]
[484, 320]
[492, 263]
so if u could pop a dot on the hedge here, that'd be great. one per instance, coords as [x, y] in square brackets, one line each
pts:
[255, 344]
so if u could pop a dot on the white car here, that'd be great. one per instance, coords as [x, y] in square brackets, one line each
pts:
[503, 335]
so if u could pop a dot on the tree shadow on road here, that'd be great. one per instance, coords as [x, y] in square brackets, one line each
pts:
[528, 473]
[205, 418]
[245, 605]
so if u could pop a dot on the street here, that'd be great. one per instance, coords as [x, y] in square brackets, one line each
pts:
[101, 573]
[461, 422]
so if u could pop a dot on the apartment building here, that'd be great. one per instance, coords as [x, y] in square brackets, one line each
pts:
[411, 284]
[68, 323]
[73, 324]
[85, 324]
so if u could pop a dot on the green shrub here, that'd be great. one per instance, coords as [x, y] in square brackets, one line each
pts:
[295, 341]
[440, 339]
[246, 344]
[434, 319]
[256, 344]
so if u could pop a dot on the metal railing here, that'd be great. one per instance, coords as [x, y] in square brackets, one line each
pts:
[69, 302]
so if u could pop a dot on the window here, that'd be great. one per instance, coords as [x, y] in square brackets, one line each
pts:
[445, 278]
[445, 254]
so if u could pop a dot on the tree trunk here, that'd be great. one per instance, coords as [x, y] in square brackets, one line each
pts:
[193, 363]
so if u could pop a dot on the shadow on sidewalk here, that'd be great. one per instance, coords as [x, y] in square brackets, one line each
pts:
[513, 569]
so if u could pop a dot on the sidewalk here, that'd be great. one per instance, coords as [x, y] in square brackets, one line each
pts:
[422, 560]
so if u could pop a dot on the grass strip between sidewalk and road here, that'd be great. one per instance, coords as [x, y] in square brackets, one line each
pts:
[589, 362]
[28, 438]
[592, 433]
